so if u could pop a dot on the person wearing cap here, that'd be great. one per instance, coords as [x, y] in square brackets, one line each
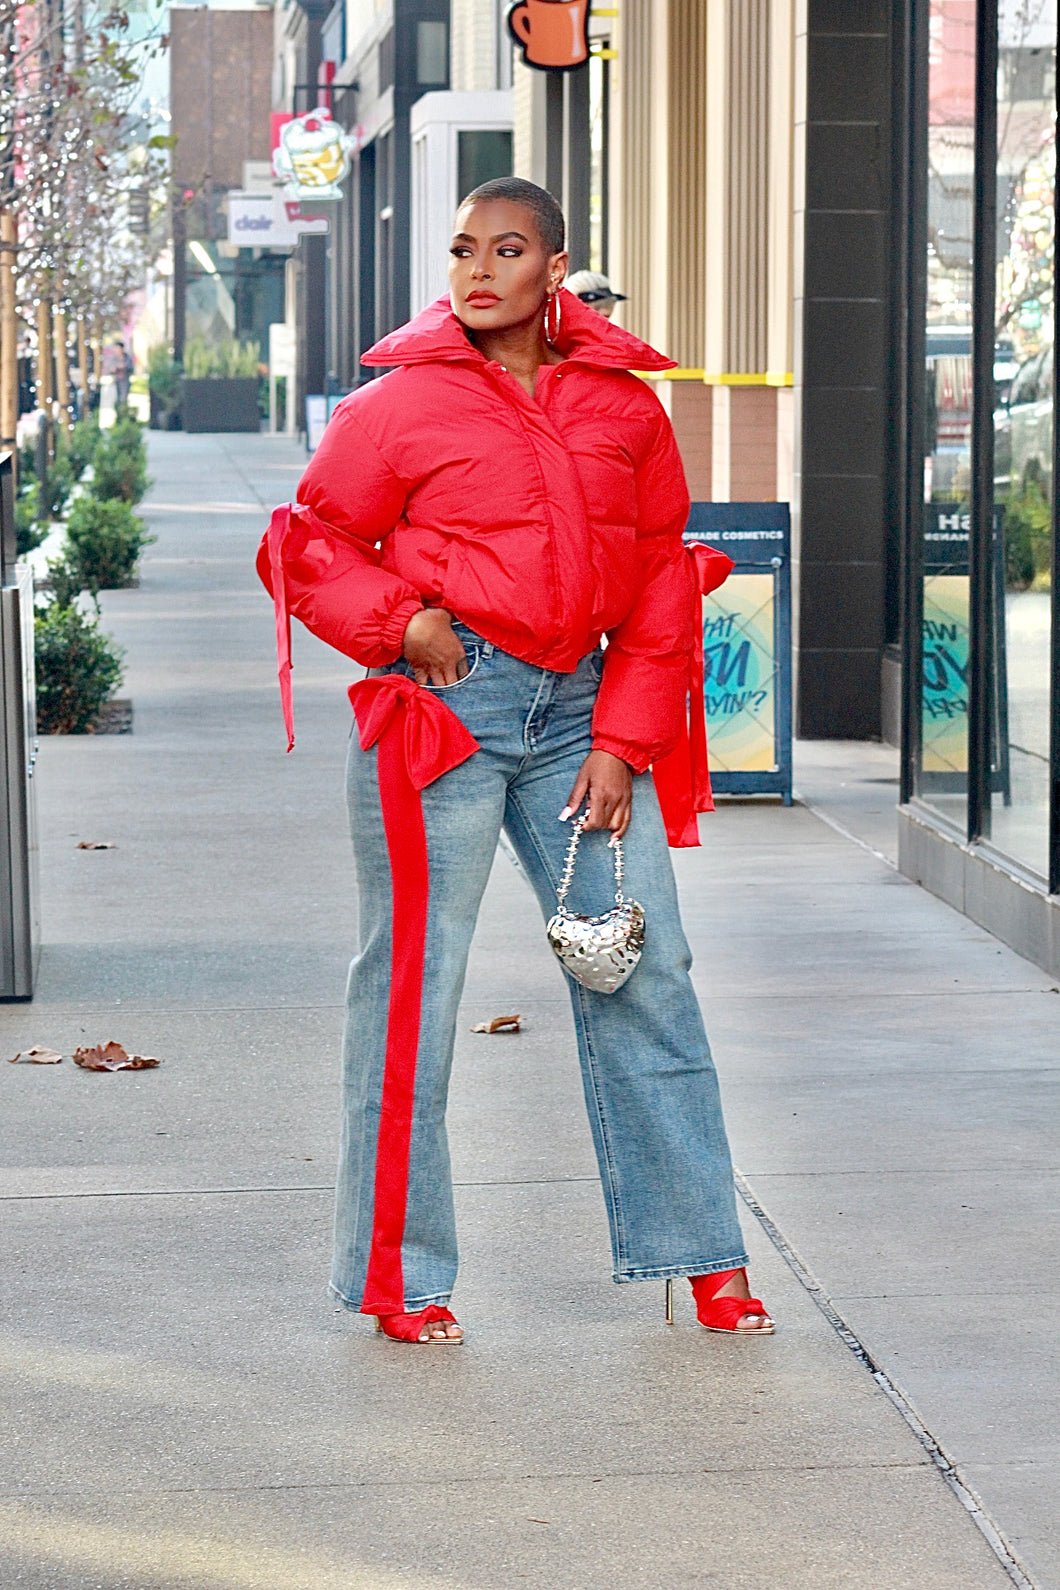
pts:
[594, 289]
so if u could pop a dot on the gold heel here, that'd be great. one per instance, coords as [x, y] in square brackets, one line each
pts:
[669, 1302]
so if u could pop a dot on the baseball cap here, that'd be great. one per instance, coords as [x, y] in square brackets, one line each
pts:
[592, 287]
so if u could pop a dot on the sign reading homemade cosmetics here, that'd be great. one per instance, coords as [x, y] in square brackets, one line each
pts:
[747, 647]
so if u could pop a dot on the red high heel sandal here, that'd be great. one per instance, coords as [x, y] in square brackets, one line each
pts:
[722, 1313]
[407, 1327]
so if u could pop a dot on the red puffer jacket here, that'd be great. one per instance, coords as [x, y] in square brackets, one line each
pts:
[541, 523]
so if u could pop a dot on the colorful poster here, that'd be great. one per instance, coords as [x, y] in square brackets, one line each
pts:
[945, 729]
[740, 674]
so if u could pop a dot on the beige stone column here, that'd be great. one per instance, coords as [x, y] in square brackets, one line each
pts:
[780, 351]
[748, 56]
[659, 204]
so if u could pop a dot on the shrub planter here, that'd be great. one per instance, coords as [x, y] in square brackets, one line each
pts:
[220, 403]
[163, 416]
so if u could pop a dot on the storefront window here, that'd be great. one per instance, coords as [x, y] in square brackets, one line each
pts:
[990, 535]
[1023, 422]
[943, 770]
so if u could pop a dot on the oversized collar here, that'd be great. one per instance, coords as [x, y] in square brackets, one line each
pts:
[435, 335]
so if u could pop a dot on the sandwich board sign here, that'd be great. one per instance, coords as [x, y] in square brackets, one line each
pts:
[747, 647]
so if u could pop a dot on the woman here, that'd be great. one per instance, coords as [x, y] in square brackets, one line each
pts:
[470, 526]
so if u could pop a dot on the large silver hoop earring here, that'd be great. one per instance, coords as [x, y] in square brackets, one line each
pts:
[553, 318]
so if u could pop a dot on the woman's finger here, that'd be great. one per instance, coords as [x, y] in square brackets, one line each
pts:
[576, 796]
[448, 669]
[601, 804]
[620, 817]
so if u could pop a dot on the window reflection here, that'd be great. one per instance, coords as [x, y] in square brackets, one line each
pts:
[1023, 420]
[943, 770]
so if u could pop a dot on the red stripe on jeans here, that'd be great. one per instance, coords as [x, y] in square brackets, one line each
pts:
[419, 739]
[406, 839]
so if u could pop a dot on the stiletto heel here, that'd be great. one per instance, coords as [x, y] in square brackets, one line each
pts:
[670, 1302]
[725, 1313]
[407, 1327]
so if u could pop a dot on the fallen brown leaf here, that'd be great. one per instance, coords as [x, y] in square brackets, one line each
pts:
[113, 1057]
[38, 1056]
[498, 1024]
[96, 844]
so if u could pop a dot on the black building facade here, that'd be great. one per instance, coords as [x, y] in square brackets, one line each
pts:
[402, 54]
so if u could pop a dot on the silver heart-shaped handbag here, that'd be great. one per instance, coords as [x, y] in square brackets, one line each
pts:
[601, 952]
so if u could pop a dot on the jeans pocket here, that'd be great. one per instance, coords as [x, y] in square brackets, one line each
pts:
[474, 657]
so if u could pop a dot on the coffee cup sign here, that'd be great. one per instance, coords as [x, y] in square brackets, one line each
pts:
[552, 34]
[312, 156]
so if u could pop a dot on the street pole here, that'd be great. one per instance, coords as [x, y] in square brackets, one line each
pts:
[8, 335]
[8, 246]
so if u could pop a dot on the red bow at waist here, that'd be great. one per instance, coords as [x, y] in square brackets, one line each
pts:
[682, 779]
[433, 739]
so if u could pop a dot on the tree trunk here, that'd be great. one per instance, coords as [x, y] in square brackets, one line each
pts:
[62, 369]
[45, 376]
[82, 365]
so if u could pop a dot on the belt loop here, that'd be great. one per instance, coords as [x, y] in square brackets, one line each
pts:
[488, 649]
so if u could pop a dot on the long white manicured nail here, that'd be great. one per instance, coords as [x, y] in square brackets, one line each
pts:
[565, 813]
[611, 841]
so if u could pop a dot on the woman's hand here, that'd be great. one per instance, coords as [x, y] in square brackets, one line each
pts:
[436, 654]
[608, 783]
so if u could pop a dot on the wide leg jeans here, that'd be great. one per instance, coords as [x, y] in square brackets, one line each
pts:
[649, 1081]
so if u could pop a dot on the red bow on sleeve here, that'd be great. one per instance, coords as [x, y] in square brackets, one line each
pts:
[682, 779]
[270, 568]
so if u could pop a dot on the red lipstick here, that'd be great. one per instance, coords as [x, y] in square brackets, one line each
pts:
[482, 296]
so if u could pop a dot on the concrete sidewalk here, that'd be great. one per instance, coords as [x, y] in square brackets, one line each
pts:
[186, 1408]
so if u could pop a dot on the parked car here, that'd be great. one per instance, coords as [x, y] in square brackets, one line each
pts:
[1023, 427]
[948, 361]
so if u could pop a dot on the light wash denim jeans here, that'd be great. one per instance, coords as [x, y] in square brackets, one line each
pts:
[650, 1085]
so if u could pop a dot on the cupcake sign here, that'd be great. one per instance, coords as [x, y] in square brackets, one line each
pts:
[311, 155]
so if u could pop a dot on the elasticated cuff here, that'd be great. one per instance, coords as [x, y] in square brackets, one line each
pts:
[393, 633]
[636, 756]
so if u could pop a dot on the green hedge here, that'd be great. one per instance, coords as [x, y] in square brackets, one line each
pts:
[1027, 527]
[85, 437]
[104, 542]
[78, 669]
[119, 467]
